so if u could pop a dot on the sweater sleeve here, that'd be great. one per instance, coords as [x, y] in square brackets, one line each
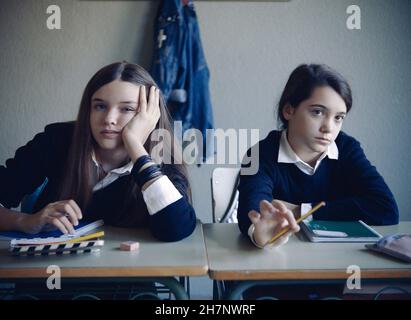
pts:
[254, 188]
[368, 197]
[22, 174]
[177, 220]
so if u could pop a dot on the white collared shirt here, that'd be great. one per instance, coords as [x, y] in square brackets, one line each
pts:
[287, 155]
[112, 175]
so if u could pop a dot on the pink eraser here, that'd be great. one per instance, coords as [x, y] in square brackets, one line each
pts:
[129, 245]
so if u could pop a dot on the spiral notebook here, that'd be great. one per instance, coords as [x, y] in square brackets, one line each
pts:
[57, 249]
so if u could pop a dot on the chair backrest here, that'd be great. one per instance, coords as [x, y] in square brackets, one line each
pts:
[224, 193]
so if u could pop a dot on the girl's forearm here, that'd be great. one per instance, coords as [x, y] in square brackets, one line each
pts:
[11, 220]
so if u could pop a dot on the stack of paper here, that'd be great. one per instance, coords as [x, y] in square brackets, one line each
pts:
[43, 244]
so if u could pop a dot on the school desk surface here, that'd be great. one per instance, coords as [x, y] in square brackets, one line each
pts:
[153, 259]
[231, 256]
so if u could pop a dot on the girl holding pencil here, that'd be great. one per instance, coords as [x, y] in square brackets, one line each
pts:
[311, 160]
[99, 166]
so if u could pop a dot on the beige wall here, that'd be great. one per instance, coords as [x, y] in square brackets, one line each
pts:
[250, 47]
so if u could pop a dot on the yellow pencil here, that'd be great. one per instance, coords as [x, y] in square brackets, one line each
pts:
[285, 230]
[86, 237]
[73, 240]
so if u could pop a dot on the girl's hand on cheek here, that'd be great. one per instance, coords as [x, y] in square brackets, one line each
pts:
[138, 129]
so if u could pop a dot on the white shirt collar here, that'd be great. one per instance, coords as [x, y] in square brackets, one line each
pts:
[126, 169]
[287, 155]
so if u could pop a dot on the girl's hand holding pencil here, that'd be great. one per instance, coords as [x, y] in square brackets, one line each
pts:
[272, 218]
[285, 230]
[276, 223]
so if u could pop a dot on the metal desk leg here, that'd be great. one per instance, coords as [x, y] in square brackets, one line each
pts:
[219, 289]
[234, 293]
[176, 288]
[185, 282]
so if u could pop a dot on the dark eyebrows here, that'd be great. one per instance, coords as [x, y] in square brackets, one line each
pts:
[128, 102]
[319, 106]
[325, 108]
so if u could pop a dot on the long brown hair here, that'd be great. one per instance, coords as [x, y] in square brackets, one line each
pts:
[79, 177]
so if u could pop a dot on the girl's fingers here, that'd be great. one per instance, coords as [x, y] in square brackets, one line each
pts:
[279, 227]
[288, 215]
[67, 224]
[158, 114]
[65, 209]
[142, 99]
[151, 99]
[157, 97]
[154, 103]
[279, 205]
[254, 216]
[61, 216]
[284, 223]
[266, 209]
[57, 223]
[71, 214]
[138, 99]
[76, 208]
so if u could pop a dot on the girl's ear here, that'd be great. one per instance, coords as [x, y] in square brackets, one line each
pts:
[288, 111]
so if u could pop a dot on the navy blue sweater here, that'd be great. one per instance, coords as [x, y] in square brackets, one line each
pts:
[351, 187]
[45, 156]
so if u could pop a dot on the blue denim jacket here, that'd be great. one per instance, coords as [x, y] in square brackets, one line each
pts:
[180, 69]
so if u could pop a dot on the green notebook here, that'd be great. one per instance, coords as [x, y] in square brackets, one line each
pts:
[339, 231]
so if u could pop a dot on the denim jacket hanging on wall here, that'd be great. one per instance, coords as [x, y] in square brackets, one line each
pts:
[180, 69]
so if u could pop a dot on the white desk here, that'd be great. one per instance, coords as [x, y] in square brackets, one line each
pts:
[231, 256]
[154, 259]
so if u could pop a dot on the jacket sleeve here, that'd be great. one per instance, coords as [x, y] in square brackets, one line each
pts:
[22, 174]
[253, 189]
[369, 198]
[168, 40]
[177, 220]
